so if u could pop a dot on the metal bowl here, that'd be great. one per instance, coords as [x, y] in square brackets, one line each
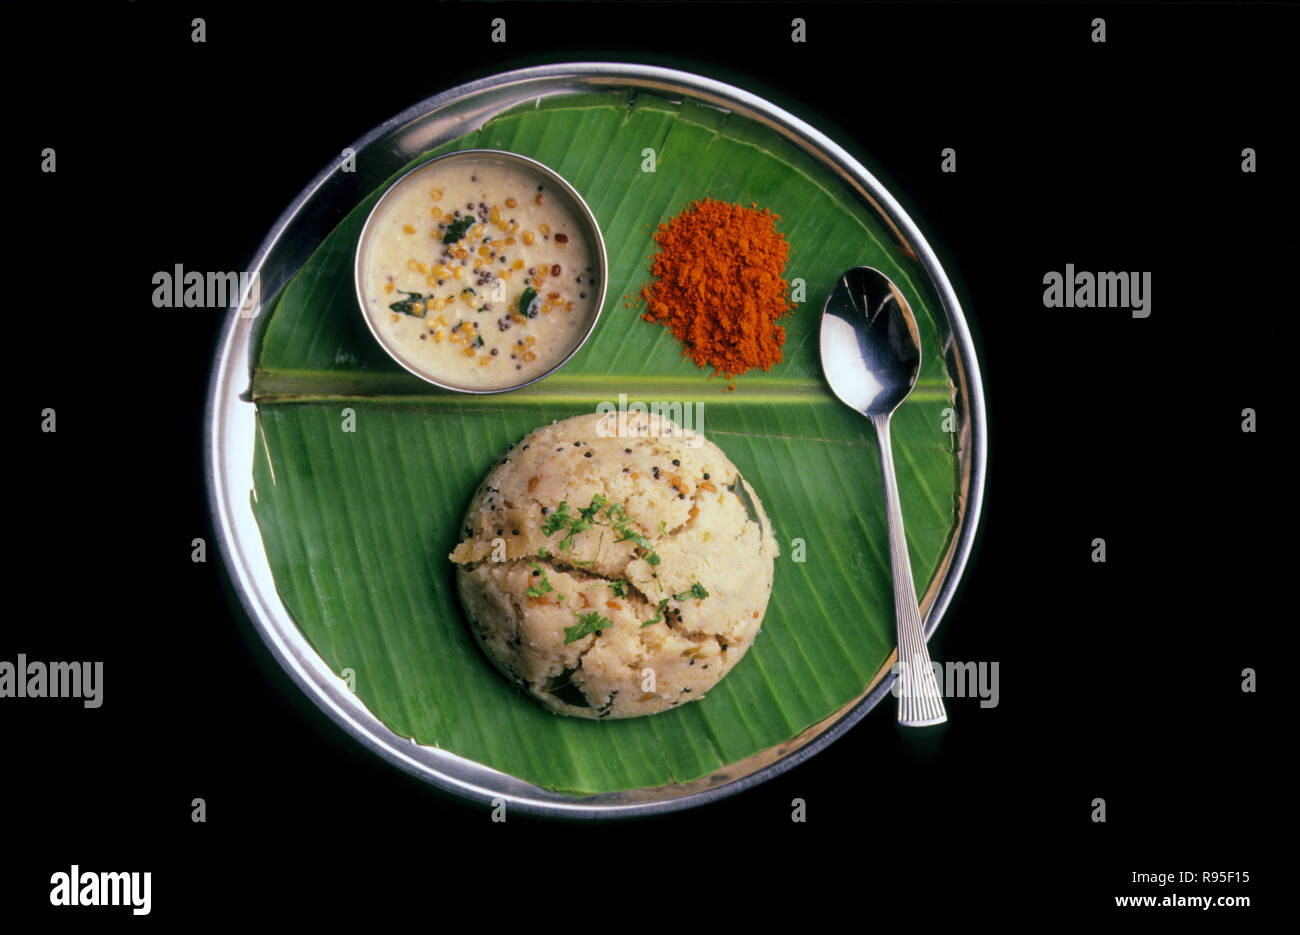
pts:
[232, 429]
[557, 182]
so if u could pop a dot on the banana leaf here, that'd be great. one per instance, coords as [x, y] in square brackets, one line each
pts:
[357, 524]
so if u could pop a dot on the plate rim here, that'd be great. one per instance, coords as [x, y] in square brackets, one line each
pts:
[228, 403]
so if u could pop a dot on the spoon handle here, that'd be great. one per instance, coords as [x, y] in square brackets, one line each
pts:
[919, 701]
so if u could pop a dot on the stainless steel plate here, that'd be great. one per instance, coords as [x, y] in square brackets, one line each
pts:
[300, 230]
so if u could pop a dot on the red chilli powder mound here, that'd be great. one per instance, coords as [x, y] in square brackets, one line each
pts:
[719, 285]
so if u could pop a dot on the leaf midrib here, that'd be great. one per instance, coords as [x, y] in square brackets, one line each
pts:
[589, 388]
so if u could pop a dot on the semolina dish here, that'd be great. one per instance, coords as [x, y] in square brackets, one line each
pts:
[615, 570]
[477, 275]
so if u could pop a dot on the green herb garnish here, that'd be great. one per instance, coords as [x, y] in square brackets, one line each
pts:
[405, 305]
[697, 591]
[543, 587]
[587, 624]
[479, 342]
[631, 535]
[621, 587]
[469, 290]
[556, 520]
[562, 519]
[527, 303]
[457, 228]
[659, 614]
[591, 509]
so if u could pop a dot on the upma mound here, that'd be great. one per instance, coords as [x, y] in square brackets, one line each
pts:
[614, 573]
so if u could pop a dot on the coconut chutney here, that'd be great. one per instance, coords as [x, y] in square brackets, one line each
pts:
[478, 273]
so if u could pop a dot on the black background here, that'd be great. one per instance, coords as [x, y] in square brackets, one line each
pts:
[1119, 680]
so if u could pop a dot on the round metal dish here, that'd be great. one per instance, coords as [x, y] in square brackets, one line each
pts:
[232, 430]
[559, 184]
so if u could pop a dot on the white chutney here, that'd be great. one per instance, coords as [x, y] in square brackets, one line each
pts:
[478, 274]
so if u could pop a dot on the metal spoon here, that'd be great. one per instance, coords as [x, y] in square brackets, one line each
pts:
[871, 353]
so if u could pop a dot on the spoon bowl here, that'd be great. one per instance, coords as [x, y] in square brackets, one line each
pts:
[871, 354]
[871, 350]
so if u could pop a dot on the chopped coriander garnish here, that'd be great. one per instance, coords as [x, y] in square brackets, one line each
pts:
[586, 625]
[556, 520]
[631, 535]
[457, 229]
[697, 591]
[479, 342]
[469, 290]
[562, 519]
[659, 614]
[597, 502]
[543, 587]
[621, 587]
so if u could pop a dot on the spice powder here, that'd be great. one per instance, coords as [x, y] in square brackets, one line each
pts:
[719, 285]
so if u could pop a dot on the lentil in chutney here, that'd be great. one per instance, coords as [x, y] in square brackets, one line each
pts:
[476, 276]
